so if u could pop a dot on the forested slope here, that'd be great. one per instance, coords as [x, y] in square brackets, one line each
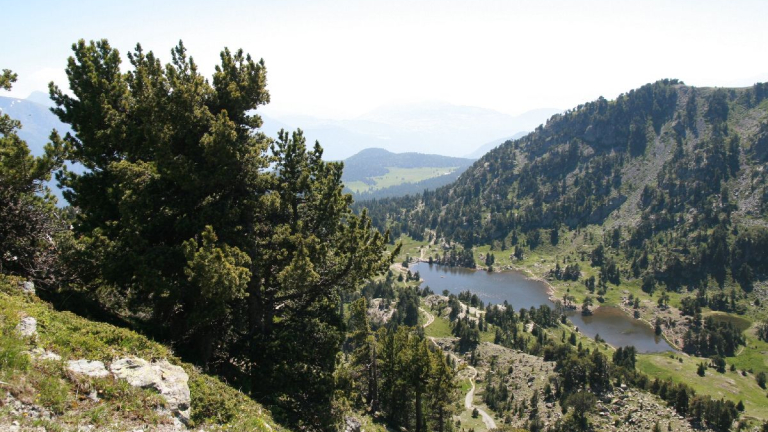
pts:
[672, 175]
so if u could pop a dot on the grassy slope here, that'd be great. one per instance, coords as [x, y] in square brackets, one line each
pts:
[728, 385]
[397, 176]
[48, 384]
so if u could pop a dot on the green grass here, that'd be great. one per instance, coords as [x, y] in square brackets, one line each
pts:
[753, 356]
[440, 328]
[398, 176]
[739, 322]
[728, 385]
[410, 248]
[464, 386]
[49, 384]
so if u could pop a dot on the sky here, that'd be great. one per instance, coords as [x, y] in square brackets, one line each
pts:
[341, 59]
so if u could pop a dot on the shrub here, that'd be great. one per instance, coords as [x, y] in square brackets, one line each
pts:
[54, 394]
[760, 378]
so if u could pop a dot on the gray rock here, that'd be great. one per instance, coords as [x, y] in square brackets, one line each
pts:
[42, 354]
[351, 424]
[93, 369]
[94, 396]
[27, 327]
[28, 287]
[168, 380]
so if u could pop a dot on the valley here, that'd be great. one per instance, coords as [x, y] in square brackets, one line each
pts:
[535, 285]
[378, 173]
[314, 255]
[397, 176]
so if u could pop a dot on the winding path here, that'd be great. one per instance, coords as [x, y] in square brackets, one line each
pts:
[430, 317]
[469, 398]
[487, 419]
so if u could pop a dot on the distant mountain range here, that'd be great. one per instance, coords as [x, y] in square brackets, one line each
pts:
[37, 122]
[436, 128]
[370, 144]
[485, 148]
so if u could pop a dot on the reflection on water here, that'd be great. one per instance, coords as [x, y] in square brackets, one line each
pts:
[611, 323]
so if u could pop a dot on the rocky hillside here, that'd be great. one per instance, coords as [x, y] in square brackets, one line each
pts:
[663, 187]
[663, 148]
[61, 372]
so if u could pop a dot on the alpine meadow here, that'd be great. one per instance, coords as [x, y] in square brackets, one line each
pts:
[426, 217]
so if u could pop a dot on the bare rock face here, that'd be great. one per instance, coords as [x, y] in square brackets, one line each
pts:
[167, 379]
[93, 369]
[27, 327]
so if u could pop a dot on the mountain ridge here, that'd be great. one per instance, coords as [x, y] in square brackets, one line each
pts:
[432, 128]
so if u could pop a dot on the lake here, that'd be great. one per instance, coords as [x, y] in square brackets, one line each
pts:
[611, 323]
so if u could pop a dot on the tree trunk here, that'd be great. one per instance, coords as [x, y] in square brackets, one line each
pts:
[373, 383]
[419, 414]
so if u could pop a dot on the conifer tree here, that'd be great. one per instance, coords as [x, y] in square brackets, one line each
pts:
[28, 220]
[237, 245]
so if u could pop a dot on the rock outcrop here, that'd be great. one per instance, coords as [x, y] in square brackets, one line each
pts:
[167, 379]
[27, 327]
[351, 424]
[42, 354]
[93, 369]
[27, 287]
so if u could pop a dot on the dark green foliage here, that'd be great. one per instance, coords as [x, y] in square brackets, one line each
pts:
[570, 272]
[582, 372]
[28, 218]
[717, 111]
[714, 338]
[719, 364]
[581, 404]
[570, 174]
[470, 299]
[396, 372]
[760, 378]
[407, 312]
[416, 385]
[454, 258]
[236, 247]
[625, 357]
[536, 196]
[468, 333]
[701, 369]
[497, 396]
[380, 288]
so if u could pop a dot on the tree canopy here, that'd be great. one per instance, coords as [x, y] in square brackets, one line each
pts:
[235, 246]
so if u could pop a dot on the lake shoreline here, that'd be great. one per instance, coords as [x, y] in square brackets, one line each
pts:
[605, 320]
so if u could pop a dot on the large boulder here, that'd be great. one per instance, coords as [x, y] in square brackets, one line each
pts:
[167, 379]
[27, 327]
[93, 369]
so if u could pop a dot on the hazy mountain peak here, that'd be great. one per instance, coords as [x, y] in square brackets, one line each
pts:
[41, 98]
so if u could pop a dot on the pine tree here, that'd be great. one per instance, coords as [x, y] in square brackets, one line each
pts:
[28, 218]
[239, 245]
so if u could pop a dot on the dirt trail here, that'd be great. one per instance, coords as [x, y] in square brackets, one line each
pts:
[469, 398]
[430, 317]
[487, 419]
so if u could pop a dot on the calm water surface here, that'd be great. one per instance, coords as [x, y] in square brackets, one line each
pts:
[610, 323]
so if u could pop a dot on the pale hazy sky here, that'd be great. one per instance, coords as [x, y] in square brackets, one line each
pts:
[340, 59]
